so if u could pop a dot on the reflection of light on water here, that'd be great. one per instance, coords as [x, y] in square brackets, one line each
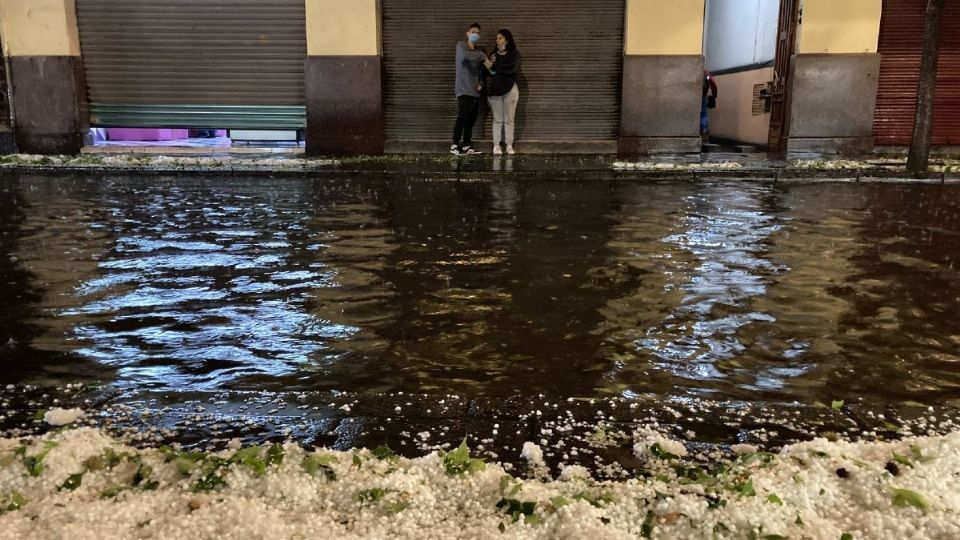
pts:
[180, 304]
[726, 235]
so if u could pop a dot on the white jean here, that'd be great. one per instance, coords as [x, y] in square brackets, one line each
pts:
[504, 111]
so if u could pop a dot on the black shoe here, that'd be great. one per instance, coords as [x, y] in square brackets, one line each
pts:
[468, 150]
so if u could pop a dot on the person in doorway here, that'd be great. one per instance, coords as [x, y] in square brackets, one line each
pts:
[467, 88]
[709, 102]
[503, 67]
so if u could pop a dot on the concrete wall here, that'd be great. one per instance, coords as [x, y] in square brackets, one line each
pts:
[39, 28]
[834, 77]
[344, 85]
[662, 77]
[839, 26]
[656, 27]
[733, 118]
[48, 94]
[740, 32]
[338, 28]
[832, 102]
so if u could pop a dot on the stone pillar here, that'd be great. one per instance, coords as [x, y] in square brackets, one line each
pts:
[48, 95]
[834, 76]
[662, 77]
[343, 78]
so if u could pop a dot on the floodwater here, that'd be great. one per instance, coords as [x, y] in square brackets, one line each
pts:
[725, 290]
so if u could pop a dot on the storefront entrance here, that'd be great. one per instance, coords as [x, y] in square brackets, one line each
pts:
[201, 65]
[901, 43]
[571, 71]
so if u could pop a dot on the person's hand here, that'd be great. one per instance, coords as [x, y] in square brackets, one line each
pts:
[488, 63]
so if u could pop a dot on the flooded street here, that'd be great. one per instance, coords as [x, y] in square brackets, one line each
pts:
[724, 290]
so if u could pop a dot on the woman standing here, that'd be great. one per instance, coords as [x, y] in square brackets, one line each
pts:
[503, 66]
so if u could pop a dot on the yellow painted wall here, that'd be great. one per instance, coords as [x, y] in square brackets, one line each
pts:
[39, 28]
[664, 27]
[733, 118]
[840, 26]
[343, 28]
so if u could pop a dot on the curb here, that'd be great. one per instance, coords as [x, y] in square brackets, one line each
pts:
[768, 174]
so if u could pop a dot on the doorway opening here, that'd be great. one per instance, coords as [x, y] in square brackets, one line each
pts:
[747, 49]
[193, 74]
[188, 140]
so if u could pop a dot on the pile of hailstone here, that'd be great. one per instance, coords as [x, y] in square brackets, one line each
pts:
[83, 484]
[666, 166]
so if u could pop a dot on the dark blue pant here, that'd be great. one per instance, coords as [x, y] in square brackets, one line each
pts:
[704, 116]
[467, 109]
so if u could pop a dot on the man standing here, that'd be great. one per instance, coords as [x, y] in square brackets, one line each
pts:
[467, 88]
[708, 102]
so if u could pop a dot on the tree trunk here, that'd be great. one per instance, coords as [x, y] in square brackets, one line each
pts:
[919, 157]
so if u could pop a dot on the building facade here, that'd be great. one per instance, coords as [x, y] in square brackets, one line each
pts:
[374, 76]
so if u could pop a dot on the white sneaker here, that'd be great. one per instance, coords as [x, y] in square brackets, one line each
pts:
[497, 151]
[455, 149]
[510, 150]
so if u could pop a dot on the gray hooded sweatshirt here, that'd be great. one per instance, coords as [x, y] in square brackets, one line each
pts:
[468, 70]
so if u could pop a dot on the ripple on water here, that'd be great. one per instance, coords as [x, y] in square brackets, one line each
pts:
[730, 289]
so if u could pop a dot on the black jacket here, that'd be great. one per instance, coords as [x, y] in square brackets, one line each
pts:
[503, 75]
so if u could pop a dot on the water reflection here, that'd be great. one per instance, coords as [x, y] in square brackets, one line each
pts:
[728, 289]
[902, 323]
[48, 244]
[200, 285]
[724, 229]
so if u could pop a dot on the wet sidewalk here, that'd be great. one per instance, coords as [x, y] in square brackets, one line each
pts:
[485, 166]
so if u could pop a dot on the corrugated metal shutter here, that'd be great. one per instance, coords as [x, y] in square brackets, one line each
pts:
[571, 72]
[194, 63]
[901, 43]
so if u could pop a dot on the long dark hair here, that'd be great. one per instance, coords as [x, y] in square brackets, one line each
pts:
[511, 44]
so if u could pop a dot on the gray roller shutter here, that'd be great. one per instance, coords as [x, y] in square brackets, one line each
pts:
[571, 73]
[194, 63]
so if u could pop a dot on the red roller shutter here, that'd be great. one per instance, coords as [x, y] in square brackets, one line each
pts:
[901, 35]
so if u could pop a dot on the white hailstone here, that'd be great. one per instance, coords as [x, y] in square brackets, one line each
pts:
[423, 435]
[574, 472]
[397, 409]
[532, 454]
[861, 505]
[234, 444]
[643, 442]
[742, 449]
[345, 408]
[62, 417]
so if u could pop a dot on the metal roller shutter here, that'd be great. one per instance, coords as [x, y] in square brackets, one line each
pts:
[571, 72]
[194, 63]
[901, 35]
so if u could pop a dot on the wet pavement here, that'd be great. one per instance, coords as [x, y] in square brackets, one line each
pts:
[442, 166]
[353, 311]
